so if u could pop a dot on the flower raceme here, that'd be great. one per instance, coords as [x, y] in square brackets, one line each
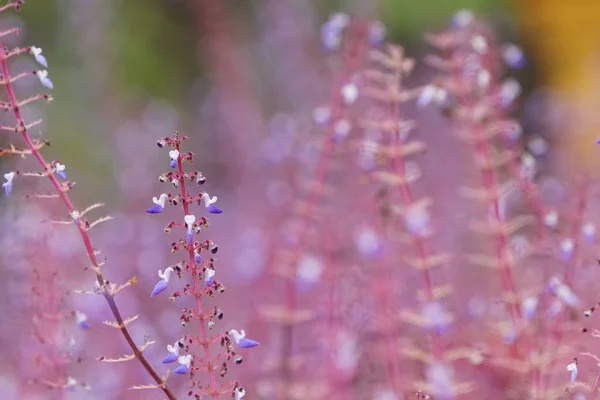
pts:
[202, 271]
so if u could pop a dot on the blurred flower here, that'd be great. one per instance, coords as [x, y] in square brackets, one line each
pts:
[60, 170]
[163, 283]
[184, 364]
[44, 80]
[81, 320]
[9, 182]
[36, 52]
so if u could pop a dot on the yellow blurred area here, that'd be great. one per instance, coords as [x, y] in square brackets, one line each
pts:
[564, 36]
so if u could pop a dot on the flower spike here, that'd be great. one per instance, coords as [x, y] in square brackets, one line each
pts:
[240, 339]
[174, 154]
[208, 203]
[162, 284]
[184, 364]
[9, 182]
[36, 52]
[159, 204]
[173, 352]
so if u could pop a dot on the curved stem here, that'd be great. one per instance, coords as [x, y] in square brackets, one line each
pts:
[21, 128]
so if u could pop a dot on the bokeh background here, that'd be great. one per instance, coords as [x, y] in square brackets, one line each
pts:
[241, 79]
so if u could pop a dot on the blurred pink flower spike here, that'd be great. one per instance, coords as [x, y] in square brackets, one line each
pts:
[174, 154]
[9, 182]
[184, 364]
[240, 393]
[81, 320]
[208, 203]
[240, 339]
[44, 80]
[173, 352]
[159, 204]
[208, 276]
[60, 171]
[189, 223]
[36, 52]
[163, 283]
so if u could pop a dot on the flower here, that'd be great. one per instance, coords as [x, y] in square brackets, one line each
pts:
[174, 154]
[589, 232]
[431, 94]
[173, 352]
[239, 393]
[572, 367]
[36, 52]
[60, 170]
[349, 93]
[566, 249]
[240, 339]
[162, 284]
[513, 56]
[81, 320]
[563, 292]
[208, 203]
[159, 204]
[75, 215]
[208, 276]
[197, 257]
[189, 223]
[44, 80]
[9, 182]
[184, 364]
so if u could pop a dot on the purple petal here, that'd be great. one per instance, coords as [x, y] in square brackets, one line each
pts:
[8, 189]
[181, 370]
[159, 287]
[84, 325]
[47, 82]
[214, 210]
[41, 60]
[170, 358]
[173, 163]
[190, 236]
[155, 209]
[247, 343]
[209, 282]
[62, 174]
[198, 258]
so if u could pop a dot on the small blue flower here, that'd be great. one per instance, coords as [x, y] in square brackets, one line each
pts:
[9, 182]
[566, 249]
[159, 204]
[572, 367]
[241, 340]
[44, 80]
[208, 274]
[36, 52]
[189, 223]
[197, 257]
[513, 56]
[75, 215]
[174, 154]
[162, 284]
[208, 203]
[239, 393]
[81, 320]
[184, 364]
[589, 232]
[60, 171]
[173, 352]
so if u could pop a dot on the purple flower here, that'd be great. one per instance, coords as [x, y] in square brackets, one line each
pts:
[36, 52]
[184, 364]
[174, 154]
[81, 320]
[60, 170]
[44, 80]
[208, 274]
[208, 203]
[159, 204]
[189, 223]
[9, 182]
[173, 352]
[163, 283]
[197, 257]
[241, 340]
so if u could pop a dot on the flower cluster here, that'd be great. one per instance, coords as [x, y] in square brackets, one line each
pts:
[200, 269]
